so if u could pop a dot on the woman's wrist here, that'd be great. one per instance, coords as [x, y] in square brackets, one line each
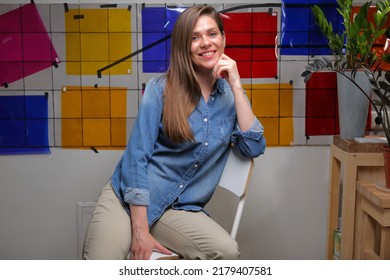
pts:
[138, 218]
[238, 89]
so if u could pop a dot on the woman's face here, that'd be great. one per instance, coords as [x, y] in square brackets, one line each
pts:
[208, 44]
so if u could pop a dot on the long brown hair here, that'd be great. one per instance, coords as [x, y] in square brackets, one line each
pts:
[182, 91]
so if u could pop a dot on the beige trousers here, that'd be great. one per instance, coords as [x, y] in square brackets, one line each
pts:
[193, 235]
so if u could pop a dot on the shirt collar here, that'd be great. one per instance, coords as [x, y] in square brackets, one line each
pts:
[220, 86]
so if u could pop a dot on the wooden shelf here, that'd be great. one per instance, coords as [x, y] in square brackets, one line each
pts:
[350, 161]
[375, 227]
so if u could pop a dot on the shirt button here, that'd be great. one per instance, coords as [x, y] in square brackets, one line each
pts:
[196, 165]
[181, 186]
[206, 143]
[205, 119]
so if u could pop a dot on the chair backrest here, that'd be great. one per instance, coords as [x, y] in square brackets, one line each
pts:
[235, 178]
[236, 173]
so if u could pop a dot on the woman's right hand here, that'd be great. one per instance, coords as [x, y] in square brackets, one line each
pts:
[143, 244]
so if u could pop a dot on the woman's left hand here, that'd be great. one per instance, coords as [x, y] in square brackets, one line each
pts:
[227, 68]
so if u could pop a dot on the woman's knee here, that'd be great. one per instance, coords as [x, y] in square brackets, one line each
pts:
[221, 248]
[226, 249]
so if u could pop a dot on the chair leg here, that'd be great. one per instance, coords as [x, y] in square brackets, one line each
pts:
[237, 218]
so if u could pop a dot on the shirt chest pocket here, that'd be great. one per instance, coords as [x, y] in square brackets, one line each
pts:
[224, 129]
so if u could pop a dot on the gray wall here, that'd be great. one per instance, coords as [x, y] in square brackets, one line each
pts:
[284, 218]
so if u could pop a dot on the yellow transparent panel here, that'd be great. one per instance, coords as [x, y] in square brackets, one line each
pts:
[90, 46]
[286, 131]
[96, 104]
[71, 104]
[118, 106]
[119, 20]
[286, 100]
[265, 102]
[94, 20]
[118, 52]
[271, 130]
[94, 117]
[96, 132]
[72, 135]
[72, 24]
[273, 105]
[117, 136]
[94, 47]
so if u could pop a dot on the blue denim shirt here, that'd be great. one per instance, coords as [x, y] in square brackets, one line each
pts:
[159, 174]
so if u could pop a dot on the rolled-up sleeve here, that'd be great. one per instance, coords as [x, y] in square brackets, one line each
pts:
[251, 143]
[136, 196]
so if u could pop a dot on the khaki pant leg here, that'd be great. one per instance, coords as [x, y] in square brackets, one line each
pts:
[108, 236]
[194, 235]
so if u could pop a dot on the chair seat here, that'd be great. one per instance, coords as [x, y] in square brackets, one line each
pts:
[160, 256]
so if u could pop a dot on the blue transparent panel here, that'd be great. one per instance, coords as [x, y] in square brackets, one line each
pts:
[299, 34]
[24, 125]
[157, 24]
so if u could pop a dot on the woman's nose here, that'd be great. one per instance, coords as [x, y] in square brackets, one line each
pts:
[205, 41]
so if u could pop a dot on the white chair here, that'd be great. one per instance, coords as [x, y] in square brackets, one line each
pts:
[235, 178]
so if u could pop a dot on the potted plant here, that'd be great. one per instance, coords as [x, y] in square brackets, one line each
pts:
[355, 60]
[353, 51]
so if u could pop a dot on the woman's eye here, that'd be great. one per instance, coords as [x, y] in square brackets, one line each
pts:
[213, 34]
[194, 38]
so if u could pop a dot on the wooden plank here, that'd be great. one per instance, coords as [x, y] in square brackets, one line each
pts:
[370, 255]
[351, 146]
[377, 197]
[334, 198]
[348, 211]
[385, 242]
[382, 216]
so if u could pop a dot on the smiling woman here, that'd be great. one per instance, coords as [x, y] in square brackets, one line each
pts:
[155, 199]
[181, 77]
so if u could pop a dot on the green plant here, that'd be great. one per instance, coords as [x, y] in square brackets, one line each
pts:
[353, 50]
[381, 88]
[354, 45]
